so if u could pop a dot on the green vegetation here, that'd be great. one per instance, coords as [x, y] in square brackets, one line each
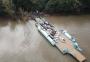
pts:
[13, 7]
[1, 8]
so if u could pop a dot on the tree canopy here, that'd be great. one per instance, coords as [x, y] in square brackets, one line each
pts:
[49, 6]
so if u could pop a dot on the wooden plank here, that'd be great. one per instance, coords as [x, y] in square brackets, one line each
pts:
[63, 43]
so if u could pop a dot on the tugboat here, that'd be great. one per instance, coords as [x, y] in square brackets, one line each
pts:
[61, 39]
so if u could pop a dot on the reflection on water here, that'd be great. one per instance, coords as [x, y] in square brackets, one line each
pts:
[21, 42]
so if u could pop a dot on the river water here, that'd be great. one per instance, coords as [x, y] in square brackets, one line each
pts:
[21, 42]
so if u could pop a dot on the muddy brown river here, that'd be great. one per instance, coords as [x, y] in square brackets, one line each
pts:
[21, 42]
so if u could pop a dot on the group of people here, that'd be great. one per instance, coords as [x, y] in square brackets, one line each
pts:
[50, 29]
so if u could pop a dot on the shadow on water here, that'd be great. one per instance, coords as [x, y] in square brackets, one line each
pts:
[7, 21]
[4, 21]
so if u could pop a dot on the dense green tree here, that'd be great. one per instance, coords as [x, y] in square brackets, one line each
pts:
[85, 5]
[62, 6]
[24, 4]
[1, 8]
[8, 6]
[50, 6]
[39, 4]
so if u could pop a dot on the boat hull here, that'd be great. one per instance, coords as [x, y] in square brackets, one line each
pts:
[45, 35]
